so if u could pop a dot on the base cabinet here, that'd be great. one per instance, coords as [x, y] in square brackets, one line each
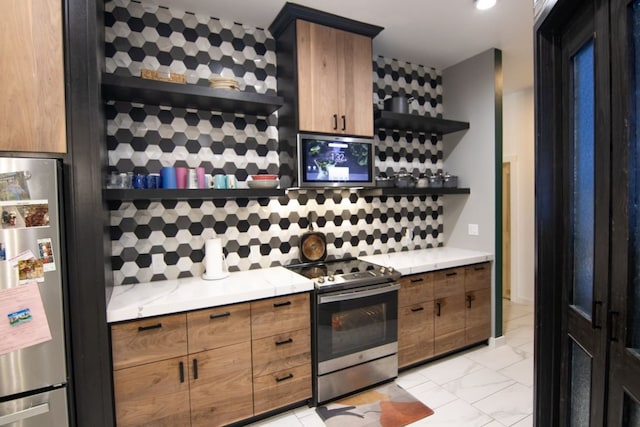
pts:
[443, 311]
[212, 367]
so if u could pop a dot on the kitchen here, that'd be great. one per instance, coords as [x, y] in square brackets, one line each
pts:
[347, 217]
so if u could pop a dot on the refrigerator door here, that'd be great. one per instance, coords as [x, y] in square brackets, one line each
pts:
[30, 252]
[44, 409]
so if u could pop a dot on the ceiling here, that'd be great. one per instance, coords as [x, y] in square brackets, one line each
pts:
[434, 33]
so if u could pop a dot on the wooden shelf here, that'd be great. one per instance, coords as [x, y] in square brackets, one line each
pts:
[394, 191]
[135, 89]
[412, 122]
[191, 194]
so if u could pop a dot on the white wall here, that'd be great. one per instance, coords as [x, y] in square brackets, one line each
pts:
[471, 92]
[518, 149]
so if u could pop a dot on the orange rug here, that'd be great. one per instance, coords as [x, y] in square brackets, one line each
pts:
[387, 405]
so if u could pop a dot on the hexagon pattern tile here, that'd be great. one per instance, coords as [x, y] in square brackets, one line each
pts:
[256, 233]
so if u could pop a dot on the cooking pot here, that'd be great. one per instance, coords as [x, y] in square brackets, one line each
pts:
[398, 104]
[313, 245]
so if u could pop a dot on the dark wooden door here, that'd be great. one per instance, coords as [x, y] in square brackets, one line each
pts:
[585, 184]
[624, 379]
[588, 214]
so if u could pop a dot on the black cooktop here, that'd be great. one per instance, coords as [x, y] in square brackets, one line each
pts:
[343, 272]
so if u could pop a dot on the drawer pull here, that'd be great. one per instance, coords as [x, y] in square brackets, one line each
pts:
[218, 316]
[286, 377]
[195, 369]
[438, 307]
[478, 268]
[344, 122]
[469, 299]
[335, 122]
[416, 309]
[150, 327]
[287, 341]
[419, 279]
[181, 370]
[451, 274]
[281, 304]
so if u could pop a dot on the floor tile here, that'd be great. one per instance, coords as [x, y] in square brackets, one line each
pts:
[526, 422]
[519, 336]
[478, 384]
[286, 419]
[522, 371]
[527, 347]
[509, 405]
[499, 357]
[442, 372]
[455, 414]
[432, 395]
[494, 423]
[412, 378]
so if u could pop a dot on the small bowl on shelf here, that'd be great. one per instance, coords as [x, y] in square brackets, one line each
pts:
[263, 183]
[264, 177]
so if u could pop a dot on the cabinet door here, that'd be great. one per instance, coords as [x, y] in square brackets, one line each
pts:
[148, 340]
[219, 327]
[318, 84]
[478, 316]
[32, 104]
[415, 333]
[449, 309]
[155, 394]
[355, 88]
[276, 315]
[221, 385]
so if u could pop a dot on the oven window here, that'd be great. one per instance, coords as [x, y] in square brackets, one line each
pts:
[346, 327]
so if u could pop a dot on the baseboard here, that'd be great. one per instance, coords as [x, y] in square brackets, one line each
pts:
[497, 342]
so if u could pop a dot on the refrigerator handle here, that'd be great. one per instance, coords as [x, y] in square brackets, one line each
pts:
[24, 414]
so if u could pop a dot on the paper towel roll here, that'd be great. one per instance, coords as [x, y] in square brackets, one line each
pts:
[214, 263]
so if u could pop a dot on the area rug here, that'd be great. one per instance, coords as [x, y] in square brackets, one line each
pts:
[387, 406]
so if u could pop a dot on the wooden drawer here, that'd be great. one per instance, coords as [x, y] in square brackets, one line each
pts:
[148, 340]
[448, 282]
[276, 315]
[154, 394]
[477, 276]
[219, 327]
[415, 288]
[282, 351]
[281, 388]
[415, 333]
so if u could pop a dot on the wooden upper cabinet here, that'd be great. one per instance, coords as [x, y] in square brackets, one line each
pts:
[32, 104]
[335, 87]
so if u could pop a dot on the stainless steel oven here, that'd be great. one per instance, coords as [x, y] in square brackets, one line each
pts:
[356, 338]
[355, 325]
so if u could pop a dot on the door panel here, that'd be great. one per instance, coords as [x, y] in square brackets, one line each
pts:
[586, 167]
[624, 381]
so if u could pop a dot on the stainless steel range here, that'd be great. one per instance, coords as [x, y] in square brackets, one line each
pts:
[355, 327]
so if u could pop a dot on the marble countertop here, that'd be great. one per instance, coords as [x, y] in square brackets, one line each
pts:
[423, 260]
[141, 300]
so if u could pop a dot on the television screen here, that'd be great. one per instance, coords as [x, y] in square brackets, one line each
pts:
[336, 161]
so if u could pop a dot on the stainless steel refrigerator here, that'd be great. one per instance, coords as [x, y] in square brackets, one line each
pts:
[33, 373]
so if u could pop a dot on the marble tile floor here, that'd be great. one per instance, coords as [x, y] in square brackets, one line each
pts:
[482, 386]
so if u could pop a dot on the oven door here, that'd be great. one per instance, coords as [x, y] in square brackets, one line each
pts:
[356, 325]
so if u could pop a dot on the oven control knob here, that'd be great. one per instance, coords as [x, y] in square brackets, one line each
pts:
[320, 279]
[383, 270]
[331, 278]
[390, 269]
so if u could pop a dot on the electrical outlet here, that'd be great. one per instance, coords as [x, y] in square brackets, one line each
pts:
[474, 230]
[157, 263]
[408, 234]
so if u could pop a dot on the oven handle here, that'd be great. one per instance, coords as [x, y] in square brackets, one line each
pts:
[355, 294]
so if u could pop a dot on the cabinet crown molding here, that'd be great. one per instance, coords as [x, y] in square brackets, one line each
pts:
[292, 11]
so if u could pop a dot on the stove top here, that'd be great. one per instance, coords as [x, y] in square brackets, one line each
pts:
[345, 273]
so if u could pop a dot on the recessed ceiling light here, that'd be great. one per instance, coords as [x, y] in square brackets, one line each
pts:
[485, 4]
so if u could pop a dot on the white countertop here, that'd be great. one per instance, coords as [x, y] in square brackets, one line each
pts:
[173, 296]
[422, 260]
[141, 300]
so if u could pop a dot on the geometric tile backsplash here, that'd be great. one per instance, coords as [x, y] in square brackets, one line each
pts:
[255, 233]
